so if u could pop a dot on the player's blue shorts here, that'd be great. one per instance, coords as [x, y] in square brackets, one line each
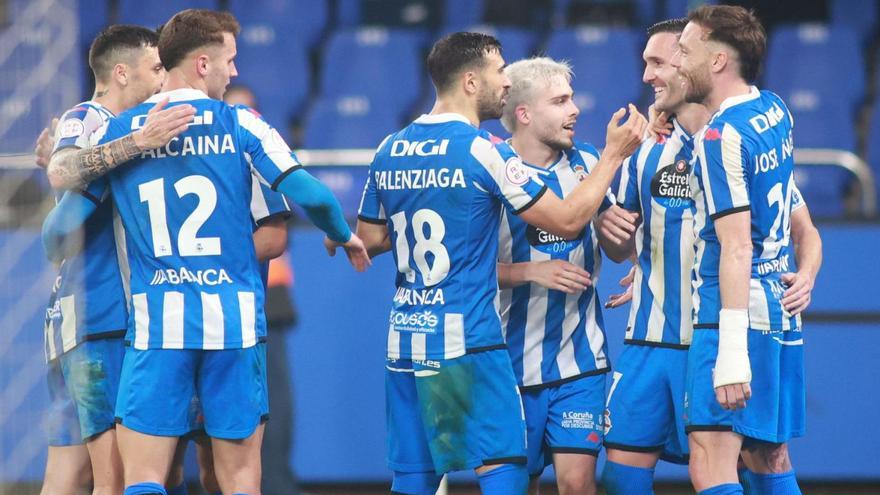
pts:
[776, 411]
[645, 411]
[158, 387]
[565, 419]
[454, 414]
[83, 383]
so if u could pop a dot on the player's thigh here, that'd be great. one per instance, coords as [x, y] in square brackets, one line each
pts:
[765, 457]
[640, 409]
[156, 390]
[536, 402]
[68, 471]
[62, 422]
[106, 461]
[237, 462]
[145, 457]
[575, 473]
[233, 391]
[702, 410]
[471, 411]
[407, 443]
[91, 372]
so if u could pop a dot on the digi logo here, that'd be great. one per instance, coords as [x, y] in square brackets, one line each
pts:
[402, 147]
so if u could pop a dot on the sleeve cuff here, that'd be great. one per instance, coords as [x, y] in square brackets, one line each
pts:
[284, 176]
[375, 221]
[532, 202]
[730, 211]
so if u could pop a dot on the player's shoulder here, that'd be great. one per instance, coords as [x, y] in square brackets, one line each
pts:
[584, 153]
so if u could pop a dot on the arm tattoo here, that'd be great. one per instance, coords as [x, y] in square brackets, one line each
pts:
[77, 169]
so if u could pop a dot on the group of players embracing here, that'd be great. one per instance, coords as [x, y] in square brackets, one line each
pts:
[497, 360]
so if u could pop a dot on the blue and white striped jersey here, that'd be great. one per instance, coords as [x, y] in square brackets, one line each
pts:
[745, 163]
[554, 336]
[655, 184]
[186, 244]
[87, 300]
[439, 184]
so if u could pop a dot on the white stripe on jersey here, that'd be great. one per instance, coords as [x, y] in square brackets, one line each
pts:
[259, 208]
[247, 308]
[686, 260]
[393, 342]
[566, 359]
[533, 348]
[488, 156]
[68, 323]
[49, 335]
[731, 152]
[272, 143]
[453, 332]
[172, 320]
[122, 255]
[656, 279]
[419, 346]
[141, 321]
[212, 322]
[594, 334]
[505, 255]
[758, 307]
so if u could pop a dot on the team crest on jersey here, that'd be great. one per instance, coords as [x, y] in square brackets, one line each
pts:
[670, 186]
[580, 172]
[72, 128]
[606, 419]
[515, 172]
[550, 243]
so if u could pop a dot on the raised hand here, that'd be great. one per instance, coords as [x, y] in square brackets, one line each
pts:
[617, 224]
[623, 139]
[45, 144]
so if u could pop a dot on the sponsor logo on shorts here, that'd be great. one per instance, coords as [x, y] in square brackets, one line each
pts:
[606, 419]
[579, 420]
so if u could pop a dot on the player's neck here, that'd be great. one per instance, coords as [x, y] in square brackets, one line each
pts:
[692, 117]
[176, 79]
[724, 89]
[450, 105]
[533, 151]
[111, 99]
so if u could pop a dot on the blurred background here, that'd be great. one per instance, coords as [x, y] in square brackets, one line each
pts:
[335, 77]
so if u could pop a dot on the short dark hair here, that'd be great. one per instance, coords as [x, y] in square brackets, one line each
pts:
[738, 28]
[191, 29]
[674, 26]
[458, 51]
[113, 45]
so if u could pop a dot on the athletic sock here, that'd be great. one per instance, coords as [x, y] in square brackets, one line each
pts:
[421, 483]
[507, 479]
[179, 490]
[770, 484]
[620, 479]
[148, 488]
[725, 489]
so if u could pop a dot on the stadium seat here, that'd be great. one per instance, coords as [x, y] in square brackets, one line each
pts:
[823, 187]
[816, 62]
[458, 14]
[607, 74]
[516, 43]
[93, 17]
[397, 13]
[859, 15]
[302, 20]
[280, 80]
[348, 122]
[154, 13]
[382, 64]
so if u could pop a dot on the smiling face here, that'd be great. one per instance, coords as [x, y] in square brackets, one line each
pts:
[669, 86]
[692, 62]
[553, 114]
[494, 84]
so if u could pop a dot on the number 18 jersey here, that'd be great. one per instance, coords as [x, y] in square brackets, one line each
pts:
[439, 185]
[187, 244]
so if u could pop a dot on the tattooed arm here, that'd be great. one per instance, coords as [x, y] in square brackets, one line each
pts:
[74, 168]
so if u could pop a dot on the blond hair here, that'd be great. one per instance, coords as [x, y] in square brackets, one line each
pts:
[527, 77]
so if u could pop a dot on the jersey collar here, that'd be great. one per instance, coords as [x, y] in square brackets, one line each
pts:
[736, 100]
[442, 118]
[182, 94]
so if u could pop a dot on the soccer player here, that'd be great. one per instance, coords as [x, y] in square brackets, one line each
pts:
[744, 338]
[435, 192]
[550, 314]
[195, 328]
[86, 317]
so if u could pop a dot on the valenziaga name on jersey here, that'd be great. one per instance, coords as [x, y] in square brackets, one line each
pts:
[395, 180]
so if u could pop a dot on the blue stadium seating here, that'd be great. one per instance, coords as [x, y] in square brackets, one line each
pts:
[276, 68]
[348, 122]
[495, 127]
[607, 74]
[516, 43]
[459, 14]
[860, 15]
[818, 62]
[93, 17]
[382, 64]
[303, 20]
[153, 13]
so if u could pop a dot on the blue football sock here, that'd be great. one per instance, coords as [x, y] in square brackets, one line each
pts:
[148, 488]
[620, 479]
[770, 484]
[424, 483]
[725, 489]
[179, 490]
[507, 479]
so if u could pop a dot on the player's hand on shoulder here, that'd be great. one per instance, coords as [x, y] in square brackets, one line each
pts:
[617, 224]
[45, 144]
[799, 291]
[622, 140]
[658, 124]
[559, 275]
[354, 249]
[163, 124]
[618, 300]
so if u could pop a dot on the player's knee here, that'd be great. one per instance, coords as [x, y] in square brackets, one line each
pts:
[423, 483]
[576, 482]
[146, 488]
[771, 458]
